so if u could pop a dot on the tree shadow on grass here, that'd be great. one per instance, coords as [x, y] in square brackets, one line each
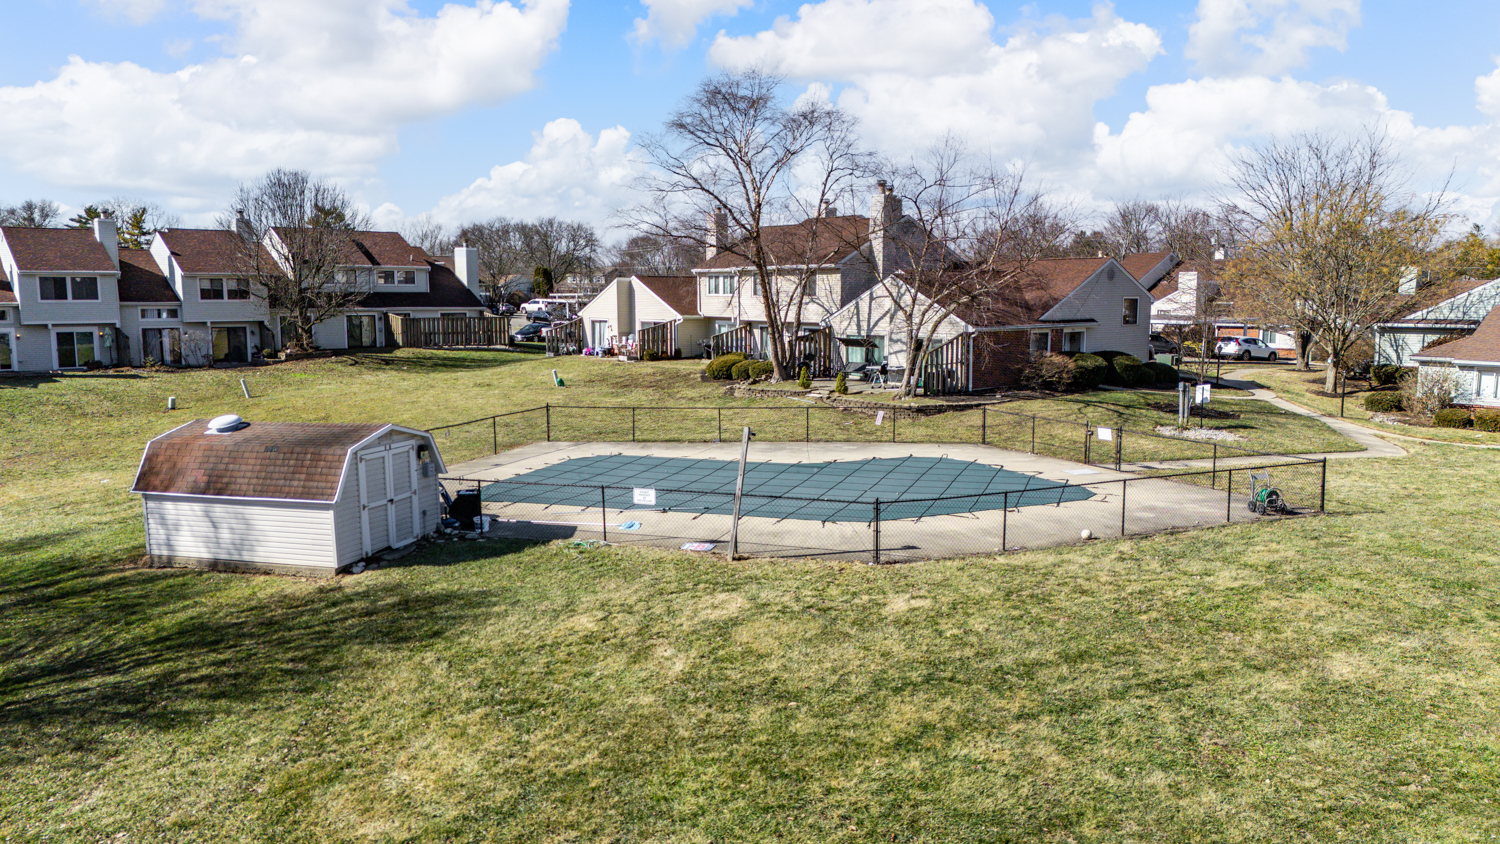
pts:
[469, 359]
[106, 649]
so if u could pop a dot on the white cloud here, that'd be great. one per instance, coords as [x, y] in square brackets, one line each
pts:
[915, 74]
[567, 174]
[1266, 37]
[285, 94]
[674, 22]
[135, 11]
[1487, 92]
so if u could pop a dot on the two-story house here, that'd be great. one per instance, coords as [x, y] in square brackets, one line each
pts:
[826, 261]
[72, 297]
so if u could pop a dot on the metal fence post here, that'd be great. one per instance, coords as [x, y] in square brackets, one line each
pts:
[893, 425]
[984, 419]
[720, 437]
[1228, 495]
[632, 424]
[1005, 523]
[1323, 487]
[807, 424]
[877, 532]
[495, 435]
[1214, 481]
[549, 422]
[604, 513]
[1033, 435]
[1119, 442]
[1088, 434]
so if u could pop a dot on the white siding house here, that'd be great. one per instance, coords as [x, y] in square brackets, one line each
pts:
[1471, 364]
[1398, 340]
[294, 498]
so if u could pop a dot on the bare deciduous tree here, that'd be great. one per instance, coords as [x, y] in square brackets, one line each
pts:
[294, 234]
[514, 247]
[32, 213]
[734, 152]
[1327, 230]
[428, 234]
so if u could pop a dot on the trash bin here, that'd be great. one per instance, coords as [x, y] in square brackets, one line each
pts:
[1170, 360]
[465, 508]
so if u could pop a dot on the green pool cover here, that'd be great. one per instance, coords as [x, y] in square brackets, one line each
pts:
[844, 491]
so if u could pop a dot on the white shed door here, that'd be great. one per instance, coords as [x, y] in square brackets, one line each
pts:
[403, 473]
[375, 499]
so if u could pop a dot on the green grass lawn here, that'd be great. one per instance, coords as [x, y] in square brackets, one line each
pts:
[1299, 386]
[1311, 679]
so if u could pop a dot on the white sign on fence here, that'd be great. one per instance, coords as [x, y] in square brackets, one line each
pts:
[1202, 394]
[879, 417]
[1105, 434]
[644, 496]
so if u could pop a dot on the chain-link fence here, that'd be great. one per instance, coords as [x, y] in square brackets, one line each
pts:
[875, 531]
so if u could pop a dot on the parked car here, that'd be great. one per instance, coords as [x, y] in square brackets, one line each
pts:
[503, 309]
[1162, 346]
[531, 332]
[1243, 348]
[540, 317]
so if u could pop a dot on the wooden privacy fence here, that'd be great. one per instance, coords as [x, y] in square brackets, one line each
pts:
[450, 332]
[660, 338]
[564, 338]
[740, 340]
[819, 351]
[945, 368]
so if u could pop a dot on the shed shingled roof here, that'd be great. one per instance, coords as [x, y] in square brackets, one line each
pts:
[297, 461]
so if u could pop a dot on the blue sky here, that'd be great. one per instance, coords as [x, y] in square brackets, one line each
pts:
[467, 110]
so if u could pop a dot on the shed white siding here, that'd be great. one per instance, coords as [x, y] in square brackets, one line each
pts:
[271, 533]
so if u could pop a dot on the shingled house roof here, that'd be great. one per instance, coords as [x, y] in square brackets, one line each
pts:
[1482, 346]
[7, 293]
[817, 240]
[444, 290]
[1025, 298]
[57, 250]
[679, 292]
[296, 461]
[209, 251]
[141, 280]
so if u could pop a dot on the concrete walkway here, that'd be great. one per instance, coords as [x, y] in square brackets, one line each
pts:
[1374, 445]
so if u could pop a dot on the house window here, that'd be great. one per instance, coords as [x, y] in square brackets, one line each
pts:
[406, 277]
[74, 349]
[163, 345]
[52, 288]
[1132, 311]
[385, 277]
[723, 325]
[453, 316]
[721, 285]
[210, 288]
[1488, 385]
[237, 288]
[55, 288]
[1072, 341]
[231, 344]
[1041, 341]
[158, 313]
[361, 330]
[4, 315]
[7, 357]
[85, 288]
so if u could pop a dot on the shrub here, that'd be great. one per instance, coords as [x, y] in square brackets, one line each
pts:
[805, 381]
[1089, 371]
[1428, 390]
[1108, 355]
[1487, 419]
[1162, 374]
[1128, 371]
[761, 368]
[1451, 417]
[721, 368]
[1383, 402]
[1050, 372]
[651, 355]
[741, 371]
[841, 383]
[1388, 374]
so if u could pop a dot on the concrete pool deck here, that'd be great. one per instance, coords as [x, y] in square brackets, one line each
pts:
[1144, 505]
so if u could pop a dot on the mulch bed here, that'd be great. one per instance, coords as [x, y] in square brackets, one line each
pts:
[1198, 410]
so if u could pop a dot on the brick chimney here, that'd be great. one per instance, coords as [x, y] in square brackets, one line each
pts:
[885, 211]
[109, 236]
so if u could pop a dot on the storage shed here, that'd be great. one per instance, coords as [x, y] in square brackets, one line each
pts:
[291, 497]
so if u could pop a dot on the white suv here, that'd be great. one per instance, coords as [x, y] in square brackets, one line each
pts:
[1243, 348]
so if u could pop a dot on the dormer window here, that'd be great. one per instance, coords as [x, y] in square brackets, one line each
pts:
[385, 277]
[406, 277]
[158, 313]
[721, 285]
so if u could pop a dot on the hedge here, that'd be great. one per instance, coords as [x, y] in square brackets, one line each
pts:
[1129, 372]
[1163, 374]
[1451, 417]
[721, 368]
[1089, 371]
[741, 371]
[761, 368]
[1383, 402]
[1487, 419]
[1388, 374]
